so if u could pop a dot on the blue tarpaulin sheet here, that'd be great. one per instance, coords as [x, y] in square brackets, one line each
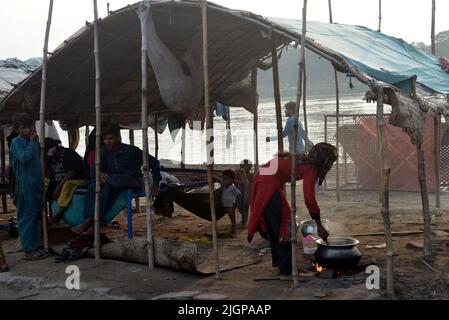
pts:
[382, 57]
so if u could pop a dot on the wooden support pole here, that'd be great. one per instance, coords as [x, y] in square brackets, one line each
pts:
[131, 137]
[437, 158]
[156, 137]
[145, 12]
[337, 134]
[337, 119]
[330, 11]
[183, 147]
[209, 139]
[255, 116]
[42, 118]
[345, 161]
[304, 106]
[432, 29]
[325, 140]
[299, 92]
[3, 168]
[425, 201]
[97, 135]
[132, 142]
[385, 177]
[380, 16]
[277, 97]
[86, 135]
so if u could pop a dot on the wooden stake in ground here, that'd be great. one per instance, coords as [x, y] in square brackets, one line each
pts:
[42, 118]
[425, 201]
[145, 11]
[295, 140]
[385, 173]
[255, 117]
[436, 124]
[277, 97]
[209, 139]
[380, 16]
[337, 120]
[97, 135]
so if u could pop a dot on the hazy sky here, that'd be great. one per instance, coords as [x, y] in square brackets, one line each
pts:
[22, 22]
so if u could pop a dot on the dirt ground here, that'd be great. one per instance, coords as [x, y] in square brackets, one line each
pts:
[357, 213]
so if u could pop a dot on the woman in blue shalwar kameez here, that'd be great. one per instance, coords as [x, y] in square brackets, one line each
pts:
[29, 188]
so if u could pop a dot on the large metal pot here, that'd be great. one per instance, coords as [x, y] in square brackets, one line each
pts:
[338, 253]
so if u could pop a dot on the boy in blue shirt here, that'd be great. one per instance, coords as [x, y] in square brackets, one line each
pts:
[29, 186]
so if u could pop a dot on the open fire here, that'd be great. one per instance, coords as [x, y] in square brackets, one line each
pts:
[318, 268]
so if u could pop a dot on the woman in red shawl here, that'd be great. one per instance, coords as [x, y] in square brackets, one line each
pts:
[270, 211]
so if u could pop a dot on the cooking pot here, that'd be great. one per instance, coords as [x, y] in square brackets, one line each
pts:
[337, 253]
[309, 227]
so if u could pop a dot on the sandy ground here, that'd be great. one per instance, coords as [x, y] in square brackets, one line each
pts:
[358, 212]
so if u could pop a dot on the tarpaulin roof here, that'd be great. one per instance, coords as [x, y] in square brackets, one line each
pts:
[382, 57]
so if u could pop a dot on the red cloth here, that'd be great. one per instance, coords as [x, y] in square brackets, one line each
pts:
[91, 158]
[265, 185]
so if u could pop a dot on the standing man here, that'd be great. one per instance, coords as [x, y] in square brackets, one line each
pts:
[288, 130]
[29, 186]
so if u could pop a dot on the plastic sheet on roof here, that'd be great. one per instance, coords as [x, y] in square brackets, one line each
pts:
[382, 57]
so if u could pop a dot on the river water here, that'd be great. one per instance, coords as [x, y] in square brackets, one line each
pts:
[242, 146]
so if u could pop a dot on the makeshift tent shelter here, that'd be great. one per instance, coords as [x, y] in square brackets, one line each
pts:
[236, 42]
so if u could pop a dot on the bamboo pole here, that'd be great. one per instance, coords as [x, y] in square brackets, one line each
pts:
[337, 134]
[156, 137]
[86, 135]
[380, 16]
[42, 118]
[131, 137]
[97, 135]
[183, 147]
[337, 119]
[325, 140]
[3, 168]
[425, 201]
[277, 98]
[144, 101]
[209, 139]
[304, 106]
[436, 124]
[255, 117]
[437, 158]
[385, 176]
[432, 31]
[299, 92]
[132, 142]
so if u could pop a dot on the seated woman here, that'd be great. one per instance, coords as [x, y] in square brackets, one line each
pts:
[270, 211]
[65, 171]
[120, 169]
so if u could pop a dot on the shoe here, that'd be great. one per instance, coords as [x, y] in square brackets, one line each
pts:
[36, 255]
[4, 268]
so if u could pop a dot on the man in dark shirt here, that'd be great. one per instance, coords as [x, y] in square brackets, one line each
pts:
[120, 169]
[66, 171]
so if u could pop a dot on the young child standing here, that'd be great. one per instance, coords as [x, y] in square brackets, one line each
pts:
[29, 187]
[230, 197]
